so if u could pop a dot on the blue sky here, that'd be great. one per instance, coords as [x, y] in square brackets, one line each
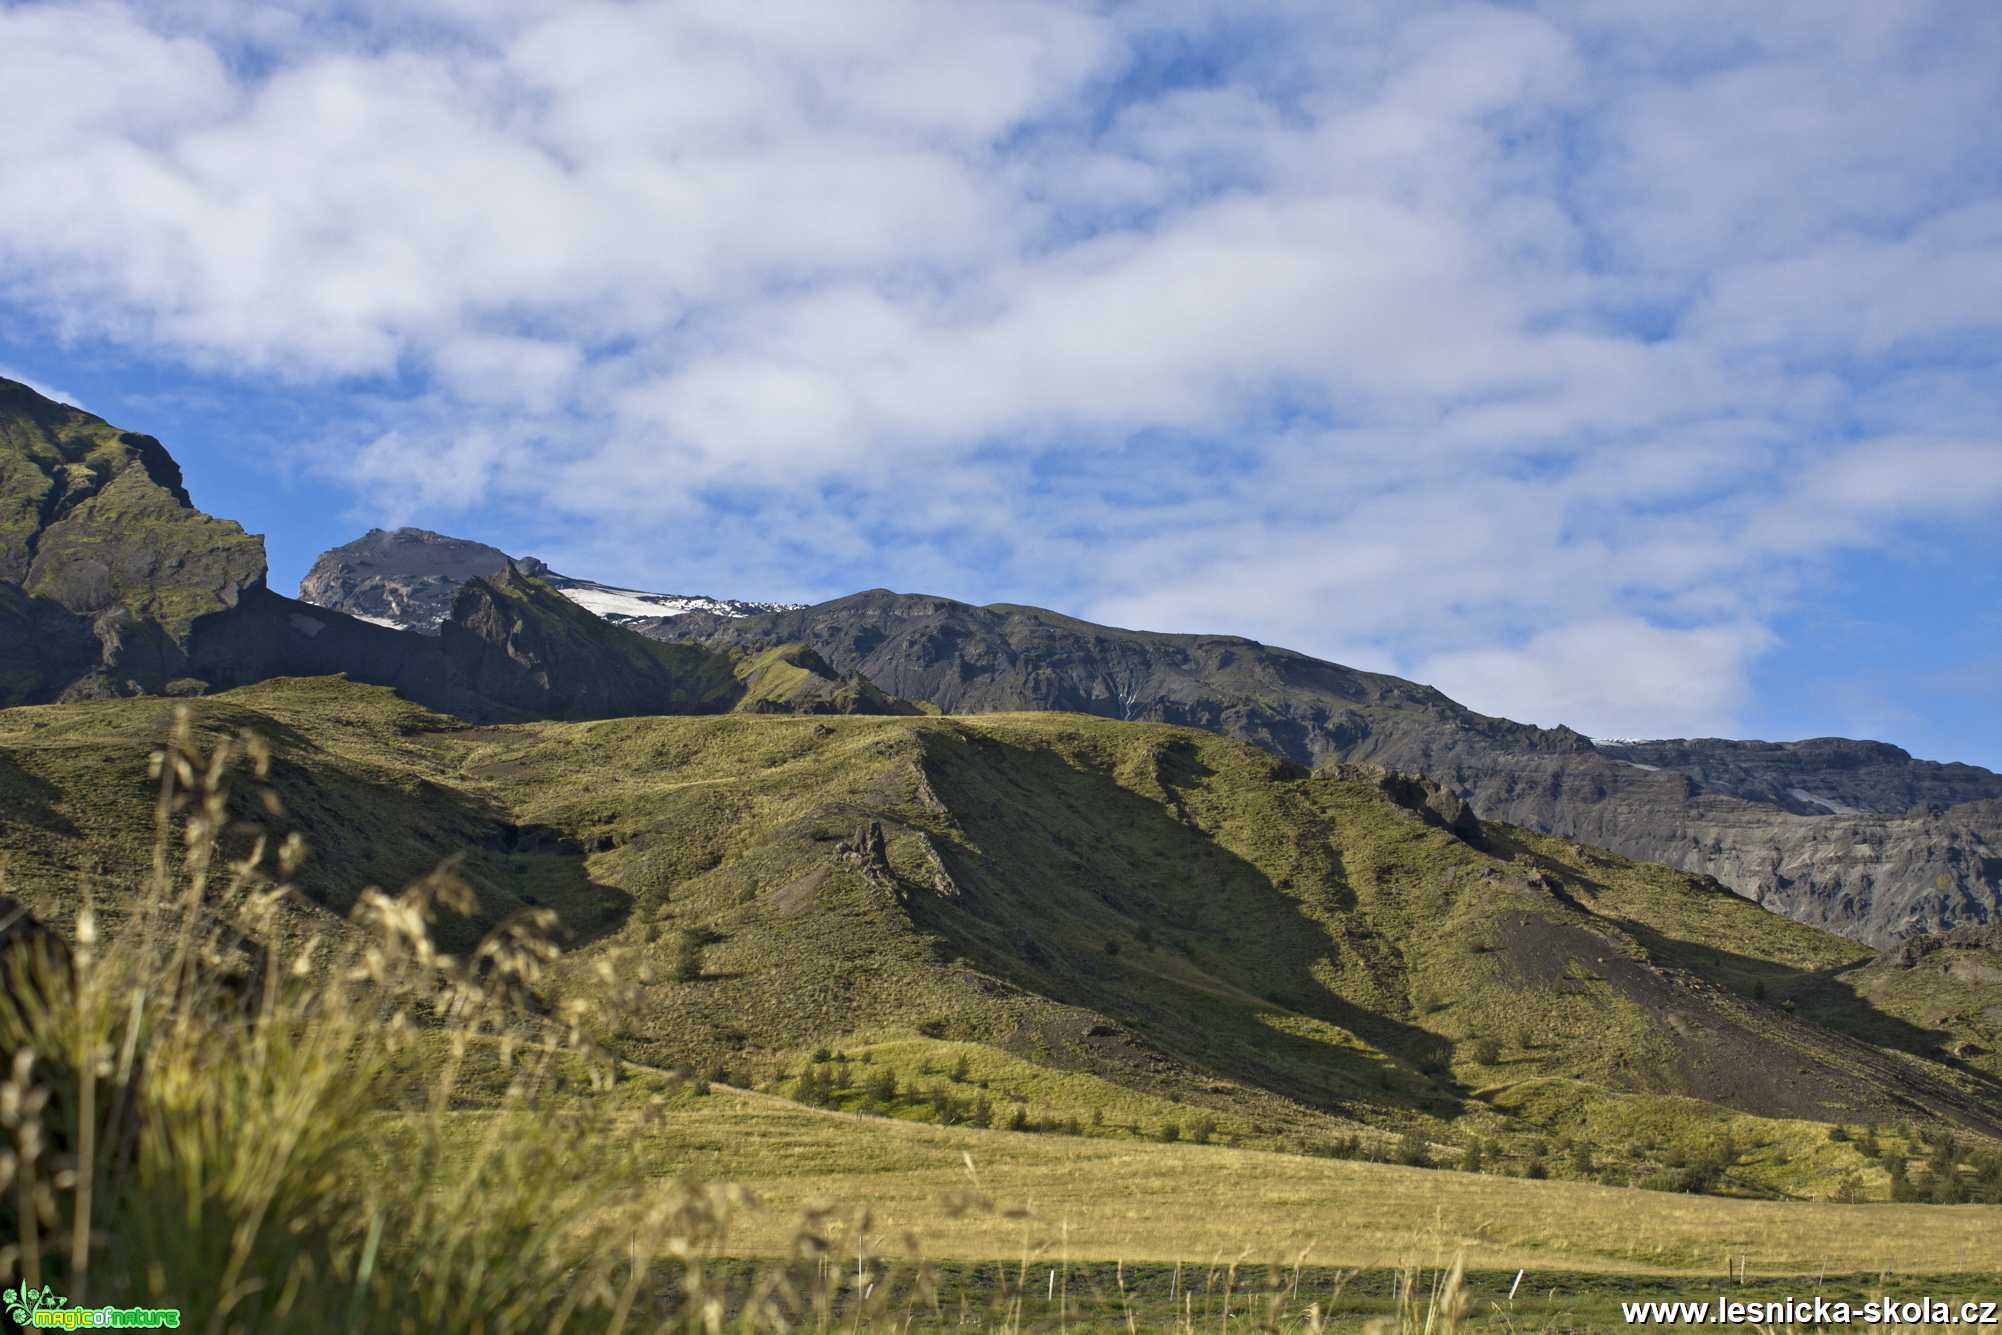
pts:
[1636, 366]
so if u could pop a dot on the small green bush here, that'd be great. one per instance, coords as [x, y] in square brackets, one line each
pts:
[687, 964]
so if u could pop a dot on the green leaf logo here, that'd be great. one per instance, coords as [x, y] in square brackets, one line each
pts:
[24, 1302]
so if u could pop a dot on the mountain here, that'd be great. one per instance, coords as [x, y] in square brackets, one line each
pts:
[1295, 940]
[407, 578]
[516, 647]
[112, 583]
[1855, 836]
[1128, 920]
[105, 565]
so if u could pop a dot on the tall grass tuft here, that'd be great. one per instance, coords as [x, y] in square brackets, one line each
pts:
[211, 1105]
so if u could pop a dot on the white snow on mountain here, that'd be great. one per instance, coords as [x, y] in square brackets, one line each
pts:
[1828, 804]
[380, 621]
[621, 605]
[408, 578]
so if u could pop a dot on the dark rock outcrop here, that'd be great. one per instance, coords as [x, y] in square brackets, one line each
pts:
[514, 647]
[1983, 940]
[1433, 803]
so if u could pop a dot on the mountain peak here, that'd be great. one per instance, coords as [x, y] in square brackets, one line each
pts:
[409, 577]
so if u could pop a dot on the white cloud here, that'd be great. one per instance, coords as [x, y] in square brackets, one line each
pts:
[1441, 337]
[1617, 677]
[1915, 478]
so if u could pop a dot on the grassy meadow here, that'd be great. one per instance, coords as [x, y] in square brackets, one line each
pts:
[971, 1195]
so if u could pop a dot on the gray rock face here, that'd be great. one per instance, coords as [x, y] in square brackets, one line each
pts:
[1823, 776]
[406, 578]
[1876, 877]
[1854, 836]
[409, 578]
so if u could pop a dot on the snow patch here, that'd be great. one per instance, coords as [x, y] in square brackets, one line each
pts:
[616, 605]
[1827, 804]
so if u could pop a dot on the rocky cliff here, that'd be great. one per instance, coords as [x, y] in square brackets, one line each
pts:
[517, 648]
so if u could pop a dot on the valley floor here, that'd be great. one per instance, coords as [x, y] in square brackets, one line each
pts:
[1057, 1197]
[951, 1227]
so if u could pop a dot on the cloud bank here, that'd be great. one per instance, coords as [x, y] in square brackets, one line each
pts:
[1540, 352]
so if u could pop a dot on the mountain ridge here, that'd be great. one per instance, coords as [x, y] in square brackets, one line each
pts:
[112, 583]
[120, 586]
[1743, 812]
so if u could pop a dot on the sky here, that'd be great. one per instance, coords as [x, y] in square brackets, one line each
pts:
[1628, 365]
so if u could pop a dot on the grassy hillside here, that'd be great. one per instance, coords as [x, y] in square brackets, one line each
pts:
[1757, 815]
[1118, 926]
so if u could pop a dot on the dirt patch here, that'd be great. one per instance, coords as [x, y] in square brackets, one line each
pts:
[796, 897]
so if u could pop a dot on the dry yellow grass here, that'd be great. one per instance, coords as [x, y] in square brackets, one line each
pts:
[1124, 1200]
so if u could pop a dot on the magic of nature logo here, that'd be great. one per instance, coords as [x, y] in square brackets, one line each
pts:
[49, 1310]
